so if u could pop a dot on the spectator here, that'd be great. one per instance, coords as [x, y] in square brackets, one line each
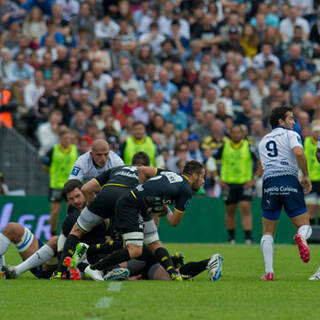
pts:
[153, 38]
[301, 86]
[141, 113]
[48, 132]
[83, 20]
[259, 60]
[203, 129]
[6, 67]
[164, 85]
[117, 107]
[194, 152]
[287, 25]
[33, 90]
[106, 29]
[159, 105]
[34, 26]
[52, 32]
[138, 142]
[79, 122]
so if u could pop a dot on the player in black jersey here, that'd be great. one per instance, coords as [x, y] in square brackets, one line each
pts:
[133, 208]
[113, 184]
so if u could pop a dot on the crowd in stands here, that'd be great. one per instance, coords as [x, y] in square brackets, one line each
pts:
[185, 69]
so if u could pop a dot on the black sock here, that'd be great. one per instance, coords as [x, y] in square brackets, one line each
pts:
[147, 256]
[68, 250]
[112, 259]
[194, 268]
[106, 248]
[247, 234]
[313, 221]
[231, 233]
[164, 258]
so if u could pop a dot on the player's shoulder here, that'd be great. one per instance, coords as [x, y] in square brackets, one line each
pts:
[84, 158]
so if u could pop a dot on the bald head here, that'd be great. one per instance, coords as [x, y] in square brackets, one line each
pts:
[100, 152]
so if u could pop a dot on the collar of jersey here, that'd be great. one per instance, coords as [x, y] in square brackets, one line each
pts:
[236, 145]
[139, 141]
[64, 150]
[278, 127]
[186, 177]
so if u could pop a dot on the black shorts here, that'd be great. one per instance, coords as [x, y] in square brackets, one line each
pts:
[129, 216]
[104, 203]
[55, 195]
[236, 193]
[315, 187]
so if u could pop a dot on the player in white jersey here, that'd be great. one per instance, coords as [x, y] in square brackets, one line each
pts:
[94, 162]
[281, 154]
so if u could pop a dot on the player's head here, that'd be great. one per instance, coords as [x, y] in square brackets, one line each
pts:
[138, 130]
[65, 138]
[283, 117]
[140, 159]
[236, 133]
[73, 193]
[100, 152]
[194, 170]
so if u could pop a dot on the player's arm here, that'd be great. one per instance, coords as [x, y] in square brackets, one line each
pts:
[302, 163]
[90, 189]
[175, 217]
[77, 171]
[146, 173]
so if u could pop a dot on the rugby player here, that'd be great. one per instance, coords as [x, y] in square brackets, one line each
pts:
[281, 154]
[113, 184]
[94, 162]
[134, 207]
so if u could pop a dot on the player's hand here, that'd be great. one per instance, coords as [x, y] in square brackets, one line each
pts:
[249, 184]
[306, 185]
[222, 184]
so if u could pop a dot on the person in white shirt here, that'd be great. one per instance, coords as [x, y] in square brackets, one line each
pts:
[94, 162]
[153, 38]
[286, 27]
[34, 90]
[70, 8]
[281, 154]
[106, 29]
[260, 59]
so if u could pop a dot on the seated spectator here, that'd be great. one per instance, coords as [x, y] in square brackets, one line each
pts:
[180, 155]
[127, 80]
[52, 31]
[301, 86]
[48, 132]
[153, 38]
[33, 90]
[10, 37]
[164, 85]
[98, 55]
[126, 36]
[6, 67]
[159, 105]
[79, 122]
[168, 138]
[245, 116]
[83, 20]
[70, 8]
[203, 129]
[117, 107]
[132, 102]
[194, 152]
[287, 25]
[259, 60]
[141, 113]
[34, 26]
[106, 29]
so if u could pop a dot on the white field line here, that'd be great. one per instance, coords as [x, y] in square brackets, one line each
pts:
[115, 286]
[103, 303]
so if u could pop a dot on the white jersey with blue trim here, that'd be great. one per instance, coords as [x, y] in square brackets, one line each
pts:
[84, 169]
[276, 155]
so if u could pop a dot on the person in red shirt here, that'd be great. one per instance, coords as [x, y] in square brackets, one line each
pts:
[132, 102]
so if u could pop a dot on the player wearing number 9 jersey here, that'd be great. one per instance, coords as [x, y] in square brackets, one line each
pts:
[281, 154]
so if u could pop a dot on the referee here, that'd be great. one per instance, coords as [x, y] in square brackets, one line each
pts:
[237, 181]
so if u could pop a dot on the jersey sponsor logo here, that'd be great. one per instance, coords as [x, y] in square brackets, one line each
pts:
[172, 176]
[284, 163]
[75, 171]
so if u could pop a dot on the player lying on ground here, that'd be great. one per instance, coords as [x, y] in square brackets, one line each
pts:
[39, 258]
[281, 154]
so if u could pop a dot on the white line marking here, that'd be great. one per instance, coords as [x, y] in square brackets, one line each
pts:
[115, 286]
[104, 303]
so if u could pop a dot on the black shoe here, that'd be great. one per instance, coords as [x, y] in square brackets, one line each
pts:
[178, 260]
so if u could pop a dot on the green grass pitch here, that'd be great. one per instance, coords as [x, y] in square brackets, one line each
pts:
[238, 295]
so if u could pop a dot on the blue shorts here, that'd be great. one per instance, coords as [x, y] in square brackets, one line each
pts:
[38, 272]
[283, 191]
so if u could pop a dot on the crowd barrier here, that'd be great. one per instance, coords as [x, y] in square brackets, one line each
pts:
[203, 221]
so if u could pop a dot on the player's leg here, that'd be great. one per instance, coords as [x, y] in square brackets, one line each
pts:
[55, 208]
[151, 239]
[268, 230]
[246, 220]
[86, 222]
[311, 202]
[43, 256]
[230, 221]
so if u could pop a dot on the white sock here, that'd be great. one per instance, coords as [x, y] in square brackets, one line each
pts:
[44, 254]
[4, 243]
[2, 262]
[305, 231]
[267, 251]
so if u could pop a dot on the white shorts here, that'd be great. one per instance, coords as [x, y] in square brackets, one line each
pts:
[88, 220]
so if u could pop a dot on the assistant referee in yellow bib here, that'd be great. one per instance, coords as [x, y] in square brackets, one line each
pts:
[236, 178]
[59, 162]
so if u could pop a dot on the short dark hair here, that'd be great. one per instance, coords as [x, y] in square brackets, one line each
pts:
[70, 185]
[137, 123]
[140, 158]
[192, 167]
[277, 114]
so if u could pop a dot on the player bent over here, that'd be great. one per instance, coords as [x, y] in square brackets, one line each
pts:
[281, 153]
